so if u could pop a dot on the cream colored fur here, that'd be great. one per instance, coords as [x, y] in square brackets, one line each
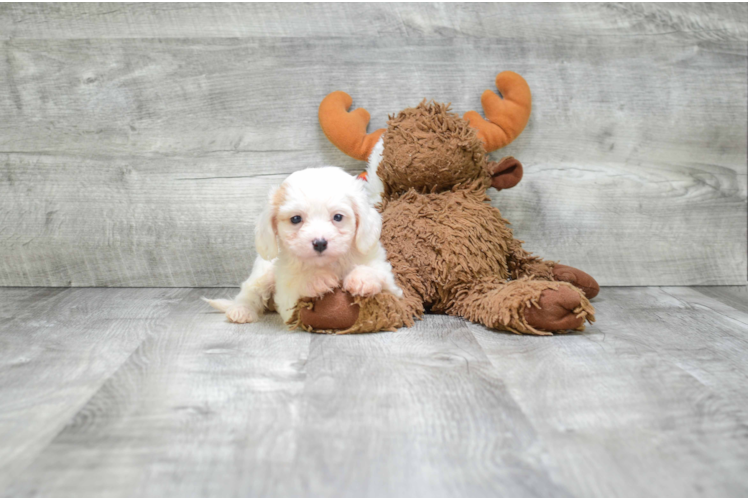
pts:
[288, 267]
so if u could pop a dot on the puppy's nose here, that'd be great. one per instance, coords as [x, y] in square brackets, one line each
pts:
[320, 245]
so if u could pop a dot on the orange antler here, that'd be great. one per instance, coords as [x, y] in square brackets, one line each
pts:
[347, 131]
[507, 117]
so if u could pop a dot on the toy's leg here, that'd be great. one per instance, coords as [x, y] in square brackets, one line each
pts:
[340, 312]
[524, 305]
[524, 264]
[385, 312]
[578, 278]
[334, 311]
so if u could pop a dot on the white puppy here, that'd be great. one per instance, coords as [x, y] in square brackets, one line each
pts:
[317, 231]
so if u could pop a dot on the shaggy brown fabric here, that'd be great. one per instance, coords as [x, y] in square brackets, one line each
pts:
[450, 250]
[383, 312]
[427, 149]
[503, 305]
[524, 264]
[443, 237]
[438, 242]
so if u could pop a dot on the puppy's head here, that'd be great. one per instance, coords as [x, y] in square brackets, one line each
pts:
[318, 215]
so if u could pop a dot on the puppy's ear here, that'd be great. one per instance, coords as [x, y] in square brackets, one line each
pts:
[368, 221]
[265, 230]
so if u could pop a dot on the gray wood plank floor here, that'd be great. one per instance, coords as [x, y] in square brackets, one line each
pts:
[121, 392]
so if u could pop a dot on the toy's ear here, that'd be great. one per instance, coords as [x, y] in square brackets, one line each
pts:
[506, 173]
[368, 221]
[265, 230]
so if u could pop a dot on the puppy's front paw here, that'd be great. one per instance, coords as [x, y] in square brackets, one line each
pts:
[363, 281]
[321, 284]
[240, 314]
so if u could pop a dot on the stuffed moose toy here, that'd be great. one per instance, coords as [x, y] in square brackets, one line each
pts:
[450, 250]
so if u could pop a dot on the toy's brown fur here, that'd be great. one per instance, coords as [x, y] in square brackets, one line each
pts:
[429, 149]
[450, 250]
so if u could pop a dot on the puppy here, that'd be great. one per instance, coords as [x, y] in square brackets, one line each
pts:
[318, 230]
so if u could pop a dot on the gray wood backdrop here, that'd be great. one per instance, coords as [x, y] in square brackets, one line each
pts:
[137, 141]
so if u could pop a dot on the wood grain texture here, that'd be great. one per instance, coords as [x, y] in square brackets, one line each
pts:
[216, 400]
[252, 411]
[57, 347]
[658, 395]
[138, 144]
[431, 403]
[508, 21]
[649, 401]
[734, 296]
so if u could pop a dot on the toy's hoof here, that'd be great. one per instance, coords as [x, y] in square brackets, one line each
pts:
[556, 311]
[578, 278]
[333, 311]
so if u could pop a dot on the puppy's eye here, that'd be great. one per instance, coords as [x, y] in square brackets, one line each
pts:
[296, 219]
[337, 217]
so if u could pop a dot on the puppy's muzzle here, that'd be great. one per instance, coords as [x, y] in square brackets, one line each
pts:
[319, 245]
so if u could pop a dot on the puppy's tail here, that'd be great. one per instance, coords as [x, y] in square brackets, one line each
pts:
[220, 304]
